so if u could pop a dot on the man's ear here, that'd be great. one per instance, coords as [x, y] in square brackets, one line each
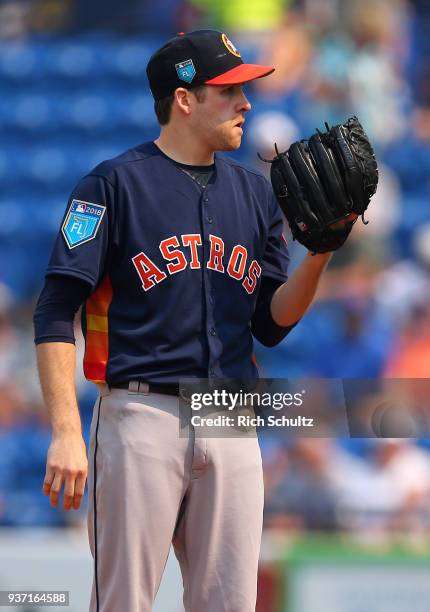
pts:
[183, 100]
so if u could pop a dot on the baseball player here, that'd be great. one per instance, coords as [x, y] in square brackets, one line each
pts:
[177, 256]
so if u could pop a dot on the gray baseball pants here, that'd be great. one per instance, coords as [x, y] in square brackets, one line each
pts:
[149, 487]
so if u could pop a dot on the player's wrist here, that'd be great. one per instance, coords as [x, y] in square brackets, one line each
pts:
[67, 431]
[318, 260]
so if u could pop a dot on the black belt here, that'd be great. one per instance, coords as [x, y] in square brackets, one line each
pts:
[165, 388]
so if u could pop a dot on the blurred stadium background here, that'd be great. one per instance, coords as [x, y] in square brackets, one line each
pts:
[347, 521]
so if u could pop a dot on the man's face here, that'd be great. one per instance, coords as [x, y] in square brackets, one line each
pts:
[218, 117]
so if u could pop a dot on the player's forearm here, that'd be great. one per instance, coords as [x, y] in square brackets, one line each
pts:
[291, 300]
[56, 364]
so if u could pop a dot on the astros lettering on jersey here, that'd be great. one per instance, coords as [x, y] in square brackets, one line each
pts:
[150, 274]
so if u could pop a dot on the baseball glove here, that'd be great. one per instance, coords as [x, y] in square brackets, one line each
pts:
[323, 184]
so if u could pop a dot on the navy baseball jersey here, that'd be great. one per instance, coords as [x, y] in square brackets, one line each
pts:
[174, 268]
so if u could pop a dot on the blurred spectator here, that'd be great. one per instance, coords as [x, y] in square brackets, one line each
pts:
[357, 347]
[307, 482]
[399, 289]
[378, 92]
[410, 355]
[14, 19]
[300, 496]
[392, 492]
[7, 335]
[290, 49]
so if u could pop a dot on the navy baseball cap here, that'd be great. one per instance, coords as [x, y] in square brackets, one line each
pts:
[203, 57]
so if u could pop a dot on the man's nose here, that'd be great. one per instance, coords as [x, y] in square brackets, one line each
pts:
[245, 104]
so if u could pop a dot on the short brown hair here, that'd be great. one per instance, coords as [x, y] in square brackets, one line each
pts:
[163, 107]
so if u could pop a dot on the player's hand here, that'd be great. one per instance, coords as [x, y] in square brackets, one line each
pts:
[66, 465]
[340, 224]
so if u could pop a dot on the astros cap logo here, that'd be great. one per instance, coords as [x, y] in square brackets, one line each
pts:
[230, 46]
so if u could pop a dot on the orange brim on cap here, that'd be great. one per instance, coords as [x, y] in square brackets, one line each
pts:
[241, 74]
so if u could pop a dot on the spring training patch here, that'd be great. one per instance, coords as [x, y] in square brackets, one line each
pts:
[82, 222]
[186, 71]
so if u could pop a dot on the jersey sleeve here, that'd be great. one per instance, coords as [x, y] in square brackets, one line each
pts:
[276, 258]
[263, 326]
[56, 307]
[83, 241]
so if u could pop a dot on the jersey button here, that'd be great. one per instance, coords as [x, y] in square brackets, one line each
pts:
[206, 200]
[211, 372]
[210, 219]
[212, 331]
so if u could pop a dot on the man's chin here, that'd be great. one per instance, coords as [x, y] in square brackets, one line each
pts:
[231, 145]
